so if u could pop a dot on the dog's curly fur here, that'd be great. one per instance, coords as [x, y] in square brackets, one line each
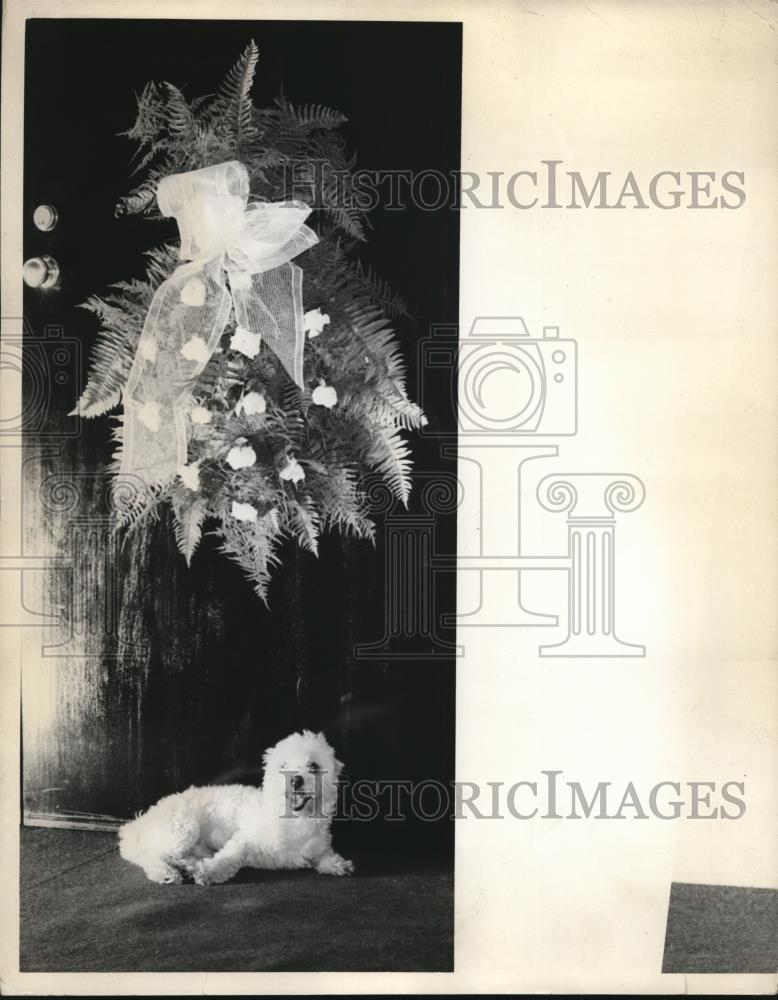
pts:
[210, 833]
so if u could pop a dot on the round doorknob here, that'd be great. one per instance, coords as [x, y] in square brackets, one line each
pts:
[40, 272]
[45, 218]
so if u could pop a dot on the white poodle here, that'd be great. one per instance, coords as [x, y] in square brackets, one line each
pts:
[210, 833]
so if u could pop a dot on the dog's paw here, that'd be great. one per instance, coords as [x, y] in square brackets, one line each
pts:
[186, 866]
[200, 874]
[186, 873]
[212, 872]
[335, 865]
[164, 875]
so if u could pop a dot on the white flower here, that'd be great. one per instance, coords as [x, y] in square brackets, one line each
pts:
[246, 342]
[251, 404]
[314, 322]
[240, 280]
[196, 349]
[190, 476]
[199, 415]
[149, 415]
[242, 456]
[193, 292]
[148, 348]
[292, 472]
[325, 395]
[244, 511]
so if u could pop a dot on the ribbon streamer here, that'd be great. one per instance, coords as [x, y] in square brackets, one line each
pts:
[220, 232]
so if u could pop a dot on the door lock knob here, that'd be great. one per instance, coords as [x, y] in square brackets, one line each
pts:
[45, 217]
[40, 272]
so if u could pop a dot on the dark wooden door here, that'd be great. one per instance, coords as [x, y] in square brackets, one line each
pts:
[155, 676]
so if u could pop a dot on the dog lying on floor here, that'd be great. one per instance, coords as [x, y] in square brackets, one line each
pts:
[210, 833]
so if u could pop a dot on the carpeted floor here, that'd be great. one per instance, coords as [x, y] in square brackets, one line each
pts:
[83, 909]
[721, 928]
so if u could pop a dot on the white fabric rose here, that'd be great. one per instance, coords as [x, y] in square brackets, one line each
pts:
[292, 472]
[251, 404]
[196, 349]
[200, 415]
[190, 476]
[246, 342]
[148, 348]
[193, 292]
[149, 416]
[314, 322]
[325, 395]
[242, 456]
[244, 512]
[240, 280]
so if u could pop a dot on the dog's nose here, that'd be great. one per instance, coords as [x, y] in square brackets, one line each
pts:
[297, 782]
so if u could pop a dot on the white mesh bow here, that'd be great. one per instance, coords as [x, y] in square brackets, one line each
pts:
[220, 232]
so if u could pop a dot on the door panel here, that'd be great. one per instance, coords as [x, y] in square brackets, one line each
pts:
[153, 676]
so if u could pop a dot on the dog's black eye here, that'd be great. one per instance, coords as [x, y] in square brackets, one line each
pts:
[313, 766]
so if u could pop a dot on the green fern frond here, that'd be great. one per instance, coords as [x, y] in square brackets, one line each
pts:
[348, 283]
[389, 407]
[96, 400]
[180, 121]
[370, 346]
[263, 158]
[343, 506]
[377, 290]
[301, 519]
[122, 313]
[346, 217]
[134, 502]
[188, 513]
[233, 106]
[390, 456]
[312, 116]
[139, 200]
[150, 117]
[288, 425]
[162, 261]
[111, 362]
[253, 547]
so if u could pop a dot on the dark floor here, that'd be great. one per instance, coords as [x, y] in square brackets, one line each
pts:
[721, 928]
[83, 909]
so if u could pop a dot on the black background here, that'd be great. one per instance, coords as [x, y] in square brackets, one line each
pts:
[196, 677]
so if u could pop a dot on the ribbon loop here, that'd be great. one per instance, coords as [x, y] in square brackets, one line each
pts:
[220, 232]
